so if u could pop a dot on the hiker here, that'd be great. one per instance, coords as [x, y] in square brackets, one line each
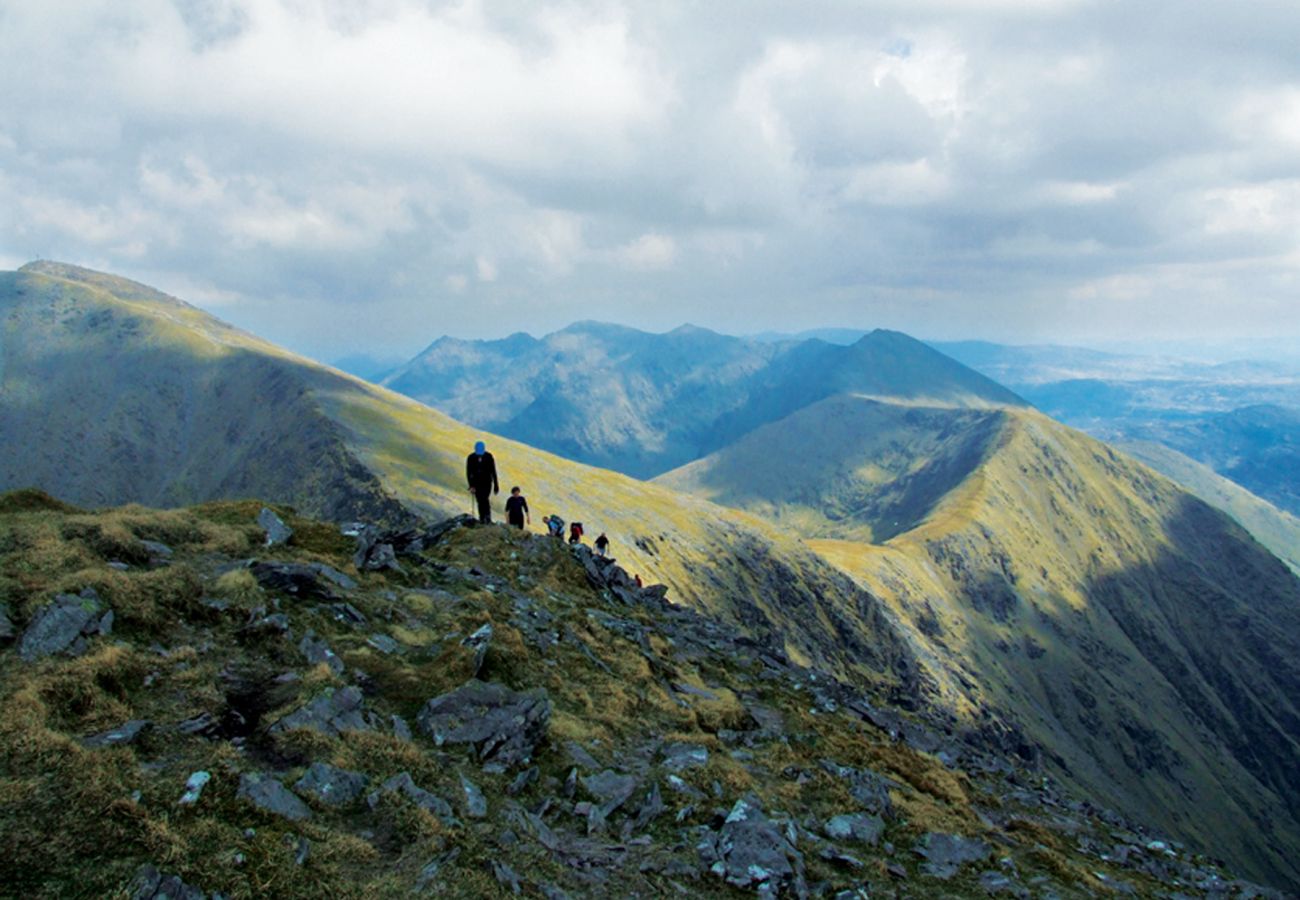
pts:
[602, 544]
[637, 579]
[481, 473]
[517, 509]
[575, 533]
[554, 526]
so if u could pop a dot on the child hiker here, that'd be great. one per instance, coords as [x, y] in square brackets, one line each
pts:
[517, 509]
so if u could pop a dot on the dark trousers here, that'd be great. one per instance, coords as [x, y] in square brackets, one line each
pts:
[484, 505]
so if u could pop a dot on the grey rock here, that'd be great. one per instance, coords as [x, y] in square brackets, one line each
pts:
[124, 734]
[523, 780]
[194, 786]
[302, 850]
[105, 626]
[870, 790]
[269, 795]
[683, 688]
[347, 613]
[295, 579]
[611, 790]
[383, 643]
[651, 808]
[334, 576]
[331, 785]
[475, 803]
[685, 756]
[478, 643]
[998, 883]
[504, 726]
[860, 827]
[332, 713]
[118, 566]
[150, 884]
[434, 866]
[750, 851]
[57, 625]
[276, 531]
[379, 557]
[317, 651]
[506, 876]
[945, 854]
[579, 756]
[401, 730]
[403, 784]
[157, 551]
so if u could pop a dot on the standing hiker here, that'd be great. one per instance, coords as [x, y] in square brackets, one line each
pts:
[481, 473]
[517, 509]
[575, 533]
[602, 545]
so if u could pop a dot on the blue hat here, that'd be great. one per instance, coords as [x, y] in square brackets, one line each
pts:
[480, 448]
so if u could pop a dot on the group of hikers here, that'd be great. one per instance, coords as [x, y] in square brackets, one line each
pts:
[481, 474]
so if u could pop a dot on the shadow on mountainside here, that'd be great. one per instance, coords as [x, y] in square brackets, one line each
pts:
[1220, 622]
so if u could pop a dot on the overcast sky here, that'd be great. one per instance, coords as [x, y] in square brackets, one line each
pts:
[366, 175]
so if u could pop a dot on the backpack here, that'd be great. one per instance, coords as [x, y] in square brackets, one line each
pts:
[575, 532]
[556, 525]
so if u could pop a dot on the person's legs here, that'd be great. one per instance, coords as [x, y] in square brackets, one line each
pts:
[484, 507]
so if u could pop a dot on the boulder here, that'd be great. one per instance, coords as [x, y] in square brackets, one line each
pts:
[124, 734]
[610, 789]
[332, 713]
[59, 624]
[475, 803]
[403, 784]
[750, 851]
[150, 884]
[684, 756]
[269, 795]
[860, 827]
[317, 651]
[331, 785]
[502, 725]
[945, 854]
[334, 576]
[870, 790]
[295, 579]
[478, 645]
[276, 531]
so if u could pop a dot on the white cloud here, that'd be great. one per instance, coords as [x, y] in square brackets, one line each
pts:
[907, 163]
[648, 252]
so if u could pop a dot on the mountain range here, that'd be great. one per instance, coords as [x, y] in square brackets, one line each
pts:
[894, 518]
[644, 403]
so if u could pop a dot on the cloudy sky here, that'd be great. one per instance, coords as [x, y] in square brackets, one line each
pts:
[365, 175]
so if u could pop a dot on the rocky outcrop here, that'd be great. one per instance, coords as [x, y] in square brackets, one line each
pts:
[60, 625]
[503, 726]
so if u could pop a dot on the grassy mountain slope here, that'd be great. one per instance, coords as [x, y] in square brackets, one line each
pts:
[1140, 636]
[644, 403]
[683, 721]
[112, 393]
[1277, 530]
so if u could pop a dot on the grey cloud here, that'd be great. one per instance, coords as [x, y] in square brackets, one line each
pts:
[994, 170]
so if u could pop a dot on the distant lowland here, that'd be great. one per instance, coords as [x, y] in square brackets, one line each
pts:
[1090, 586]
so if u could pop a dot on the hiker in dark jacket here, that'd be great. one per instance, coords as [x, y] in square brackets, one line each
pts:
[517, 509]
[481, 473]
[602, 545]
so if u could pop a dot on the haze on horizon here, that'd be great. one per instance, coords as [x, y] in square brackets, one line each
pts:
[347, 177]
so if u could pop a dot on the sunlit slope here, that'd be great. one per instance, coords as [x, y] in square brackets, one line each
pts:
[115, 393]
[847, 467]
[1276, 529]
[1141, 637]
[112, 393]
